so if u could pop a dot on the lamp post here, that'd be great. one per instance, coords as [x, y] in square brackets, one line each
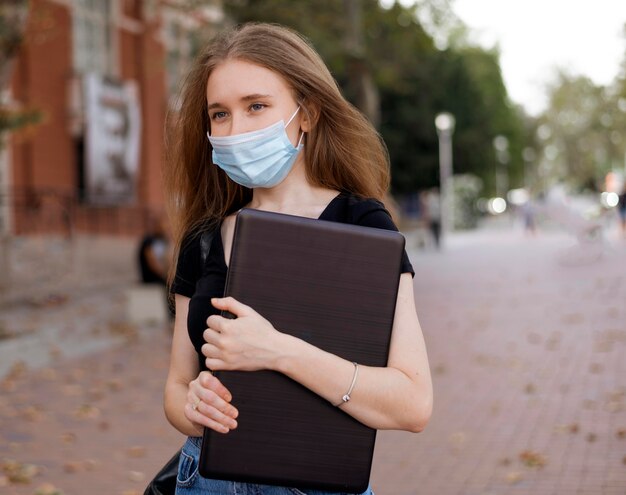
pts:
[444, 122]
[501, 145]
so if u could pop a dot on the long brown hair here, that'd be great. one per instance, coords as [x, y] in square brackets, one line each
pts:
[343, 151]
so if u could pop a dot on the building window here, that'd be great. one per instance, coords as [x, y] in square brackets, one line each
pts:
[181, 42]
[185, 29]
[93, 37]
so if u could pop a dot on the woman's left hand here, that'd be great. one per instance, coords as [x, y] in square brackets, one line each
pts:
[246, 343]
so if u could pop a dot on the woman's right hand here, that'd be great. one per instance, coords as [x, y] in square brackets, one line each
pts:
[208, 404]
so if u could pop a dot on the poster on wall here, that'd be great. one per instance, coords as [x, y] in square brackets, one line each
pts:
[113, 139]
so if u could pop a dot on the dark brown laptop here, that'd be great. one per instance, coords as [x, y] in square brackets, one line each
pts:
[335, 286]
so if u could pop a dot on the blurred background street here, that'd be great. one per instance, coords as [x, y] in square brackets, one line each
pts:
[512, 201]
[526, 343]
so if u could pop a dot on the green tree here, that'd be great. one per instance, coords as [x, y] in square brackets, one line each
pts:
[415, 81]
[582, 130]
[13, 14]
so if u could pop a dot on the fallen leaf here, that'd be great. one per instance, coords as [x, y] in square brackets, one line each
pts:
[95, 394]
[596, 368]
[573, 318]
[621, 434]
[439, 369]
[115, 385]
[72, 467]
[613, 406]
[136, 476]
[18, 472]
[8, 385]
[602, 346]
[552, 344]
[31, 413]
[530, 388]
[90, 464]
[574, 428]
[87, 411]
[72, 390]
[532, 459]
[514, 477]
[123, 329]
[589, 404]
[613, 312]
[49, 374]
[136, 451]
[16, 371]
[55, 352]
[68, 437]
[591, 437]
[48, 489]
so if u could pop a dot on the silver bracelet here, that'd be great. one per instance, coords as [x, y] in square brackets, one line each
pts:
[346, 397]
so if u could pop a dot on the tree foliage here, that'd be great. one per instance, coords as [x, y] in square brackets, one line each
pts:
[13, 15]
[582, 131]
[415, 81]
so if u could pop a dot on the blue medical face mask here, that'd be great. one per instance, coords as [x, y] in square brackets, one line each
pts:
[260, 158]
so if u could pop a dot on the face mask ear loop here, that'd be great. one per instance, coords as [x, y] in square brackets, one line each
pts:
[300, 140]
[292, 117]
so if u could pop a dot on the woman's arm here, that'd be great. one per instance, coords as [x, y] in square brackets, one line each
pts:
[193, 400]
[399, 396]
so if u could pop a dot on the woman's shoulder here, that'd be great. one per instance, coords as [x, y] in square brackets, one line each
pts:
[359, 210]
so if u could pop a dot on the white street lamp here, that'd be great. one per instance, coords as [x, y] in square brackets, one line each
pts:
[501, 145]
[444, 122]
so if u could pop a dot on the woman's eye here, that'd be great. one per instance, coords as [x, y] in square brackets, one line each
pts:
[218, 115]
[257, 106]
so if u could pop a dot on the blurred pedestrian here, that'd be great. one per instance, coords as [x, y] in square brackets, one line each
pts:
[153, 255]
[528, 212]
[621, 209]
[431, 202]
[280, 138]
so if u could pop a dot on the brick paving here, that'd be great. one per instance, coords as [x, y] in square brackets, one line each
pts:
[526, 340]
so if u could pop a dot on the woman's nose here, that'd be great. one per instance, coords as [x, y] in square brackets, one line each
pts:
[237, 125]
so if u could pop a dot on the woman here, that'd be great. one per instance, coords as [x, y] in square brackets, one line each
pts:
[263, 125]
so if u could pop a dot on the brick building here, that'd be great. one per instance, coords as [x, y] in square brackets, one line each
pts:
[103, 74]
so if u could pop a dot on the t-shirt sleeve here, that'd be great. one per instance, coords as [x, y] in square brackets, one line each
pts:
[188, 267]
[372, 213]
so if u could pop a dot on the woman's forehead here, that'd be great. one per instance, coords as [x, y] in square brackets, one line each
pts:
[239, 78]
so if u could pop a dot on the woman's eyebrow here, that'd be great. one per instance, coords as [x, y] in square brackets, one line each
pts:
[255, 96]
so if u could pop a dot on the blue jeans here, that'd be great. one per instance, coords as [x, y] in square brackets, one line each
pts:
[189, 481]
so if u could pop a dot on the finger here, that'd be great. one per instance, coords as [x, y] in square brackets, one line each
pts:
[196, 416]
[210, 382]
[225, 411]
[217, 323]
[211, 336]
[210, 351]
[216, 364]
[232, 305]
[216, 415]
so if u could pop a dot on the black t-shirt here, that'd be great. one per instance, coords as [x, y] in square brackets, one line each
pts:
[203, 282]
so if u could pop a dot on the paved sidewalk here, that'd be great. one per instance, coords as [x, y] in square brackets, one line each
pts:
[526, 340]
